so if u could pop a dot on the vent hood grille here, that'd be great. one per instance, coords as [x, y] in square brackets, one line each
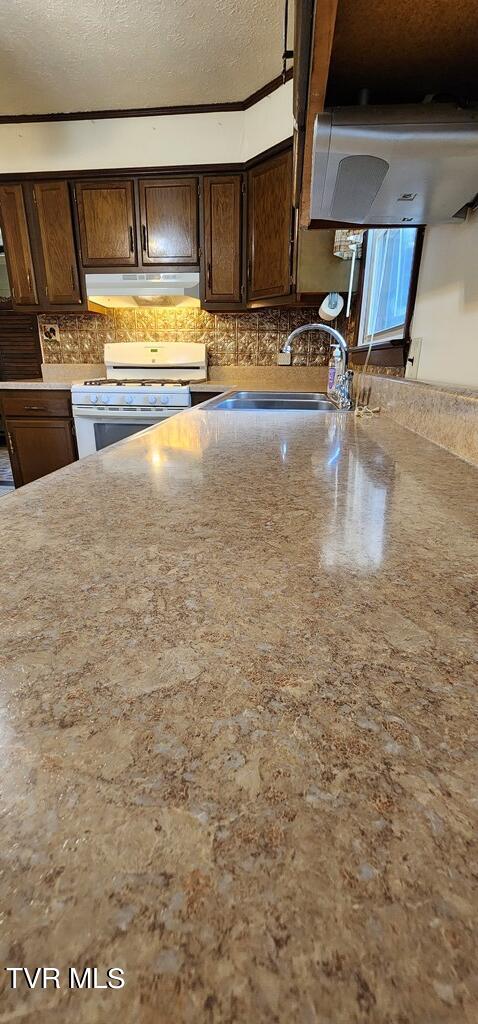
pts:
[150, 289]
[358, 181]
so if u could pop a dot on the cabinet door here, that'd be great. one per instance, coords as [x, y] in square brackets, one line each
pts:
[222, 238]
[38, 447]
[169, 221]
[269, 228]
[57, 242]
[17, 246]
[107, 228]
[20, 352]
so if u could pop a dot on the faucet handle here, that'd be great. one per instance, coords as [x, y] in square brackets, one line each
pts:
[343, 389]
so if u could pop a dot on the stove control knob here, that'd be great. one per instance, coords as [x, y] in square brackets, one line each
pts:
[129, 399]
[105, 399]
[165, 400]
[94, 399]
[152, 399]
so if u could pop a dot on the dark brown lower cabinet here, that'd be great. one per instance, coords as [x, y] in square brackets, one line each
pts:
[38, 447]
[198, 397]
[40, 433]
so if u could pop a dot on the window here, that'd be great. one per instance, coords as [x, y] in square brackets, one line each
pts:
[388, 270]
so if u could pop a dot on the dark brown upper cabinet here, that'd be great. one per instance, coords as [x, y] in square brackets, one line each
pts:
[57, 242]
[222, 238]
[169, 221]
[18, 252]
[107, 224]
[269, 243]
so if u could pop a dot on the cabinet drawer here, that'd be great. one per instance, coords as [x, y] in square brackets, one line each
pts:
[36, 403]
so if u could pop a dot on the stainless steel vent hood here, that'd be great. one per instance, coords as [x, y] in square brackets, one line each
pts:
[135, 289]
[413, 164]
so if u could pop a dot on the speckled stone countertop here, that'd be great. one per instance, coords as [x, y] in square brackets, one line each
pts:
[239, 727]
[36, 385]
[61, 385]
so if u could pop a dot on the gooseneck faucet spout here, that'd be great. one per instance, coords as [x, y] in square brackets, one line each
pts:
[343, 385]
[338, 338]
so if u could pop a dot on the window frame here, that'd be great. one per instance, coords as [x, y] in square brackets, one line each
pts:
[387, 349]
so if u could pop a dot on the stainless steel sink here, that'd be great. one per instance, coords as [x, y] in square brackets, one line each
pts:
[276, 400]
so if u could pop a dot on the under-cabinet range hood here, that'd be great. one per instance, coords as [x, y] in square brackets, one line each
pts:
[106, 291]
[412, 164]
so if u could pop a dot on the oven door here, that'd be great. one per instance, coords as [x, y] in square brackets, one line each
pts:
[98, 428]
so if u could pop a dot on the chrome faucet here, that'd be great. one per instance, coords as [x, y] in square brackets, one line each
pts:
[343, 383]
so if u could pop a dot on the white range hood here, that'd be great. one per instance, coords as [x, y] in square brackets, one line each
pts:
[400, 165]
[135, 289]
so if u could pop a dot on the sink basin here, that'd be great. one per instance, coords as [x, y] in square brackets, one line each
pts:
[276, 400]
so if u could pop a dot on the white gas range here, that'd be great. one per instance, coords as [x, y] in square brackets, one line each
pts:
[145, 383]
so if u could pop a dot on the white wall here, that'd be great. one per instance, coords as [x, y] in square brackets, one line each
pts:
[268, 122]
[446, 310]
[229, 137]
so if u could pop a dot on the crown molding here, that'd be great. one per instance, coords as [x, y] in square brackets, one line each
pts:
[198, 108]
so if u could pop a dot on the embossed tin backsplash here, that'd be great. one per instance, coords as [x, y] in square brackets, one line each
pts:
[244, 339]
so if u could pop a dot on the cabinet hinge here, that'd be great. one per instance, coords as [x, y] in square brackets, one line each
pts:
[243, 188]
[199, 190]
[200, 252]
[34, 196]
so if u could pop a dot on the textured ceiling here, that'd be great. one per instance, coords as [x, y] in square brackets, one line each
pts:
[58, 55]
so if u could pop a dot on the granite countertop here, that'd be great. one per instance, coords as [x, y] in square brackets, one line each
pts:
[36, 385]
[210, 387]
[238, 726]
[59, 385]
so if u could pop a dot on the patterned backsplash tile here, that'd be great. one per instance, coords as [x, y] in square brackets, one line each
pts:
[235, 339]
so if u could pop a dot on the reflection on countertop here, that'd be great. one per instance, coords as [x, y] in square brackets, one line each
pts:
[238, 721]
[360, 490]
